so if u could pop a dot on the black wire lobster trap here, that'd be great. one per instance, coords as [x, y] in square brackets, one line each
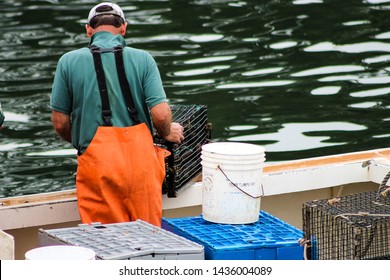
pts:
[352, 227]
[184, 163]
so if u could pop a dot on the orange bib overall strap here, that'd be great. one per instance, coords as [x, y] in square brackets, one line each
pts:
[120, 174]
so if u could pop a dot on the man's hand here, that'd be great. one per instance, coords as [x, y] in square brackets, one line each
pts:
[162, 120]
[176, 134]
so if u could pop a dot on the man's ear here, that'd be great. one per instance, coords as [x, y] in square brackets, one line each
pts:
[89, 30]
[123, 29]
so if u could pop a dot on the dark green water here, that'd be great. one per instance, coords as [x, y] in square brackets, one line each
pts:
[303, 78]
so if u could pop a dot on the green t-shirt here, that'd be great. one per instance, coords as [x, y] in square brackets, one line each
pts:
[75, 89]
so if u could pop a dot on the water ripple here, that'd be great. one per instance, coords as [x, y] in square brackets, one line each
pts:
[329, 90]
[350, 48]
[275, 83]
[328, 70]
[210, 59]
[200, 71]
[371, 92]
[262, 71]
[293, 136]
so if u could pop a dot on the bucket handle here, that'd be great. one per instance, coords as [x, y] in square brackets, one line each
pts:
[234, 184]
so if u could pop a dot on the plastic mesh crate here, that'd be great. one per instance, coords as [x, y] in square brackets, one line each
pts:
[353, 227]
[268, 239]
[124, 241]
[184, 163]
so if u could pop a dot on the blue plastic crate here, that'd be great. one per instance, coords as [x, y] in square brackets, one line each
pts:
[268, 239]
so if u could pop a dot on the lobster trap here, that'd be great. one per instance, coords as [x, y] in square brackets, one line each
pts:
[353, 227]
[184, 163]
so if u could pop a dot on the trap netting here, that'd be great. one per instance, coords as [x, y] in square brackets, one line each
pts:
[352, 227]
[184, 163]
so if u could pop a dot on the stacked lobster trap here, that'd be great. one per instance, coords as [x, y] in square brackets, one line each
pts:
[184, 163]
[353, 227]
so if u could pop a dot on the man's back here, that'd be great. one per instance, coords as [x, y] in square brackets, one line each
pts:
[76, 76]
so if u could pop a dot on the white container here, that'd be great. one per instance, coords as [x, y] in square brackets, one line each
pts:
[232, 182]
[60, 252]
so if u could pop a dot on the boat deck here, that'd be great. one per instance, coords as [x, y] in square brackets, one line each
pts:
[286, 186]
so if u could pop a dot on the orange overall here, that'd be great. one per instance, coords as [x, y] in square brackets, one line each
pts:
[120, 175]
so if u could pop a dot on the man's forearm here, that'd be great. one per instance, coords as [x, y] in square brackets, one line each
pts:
[162, 118]
[62, 125]
[65, 134]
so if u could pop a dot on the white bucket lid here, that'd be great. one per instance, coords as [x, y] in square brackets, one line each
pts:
[60, 252]
[233, 148]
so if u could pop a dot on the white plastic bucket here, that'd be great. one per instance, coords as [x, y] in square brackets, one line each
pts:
[232, 182]
[60, 252]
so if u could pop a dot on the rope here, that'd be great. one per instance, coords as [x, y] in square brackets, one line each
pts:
[384, 193]
[362, 214]
[304, 242]
[334, 200]
[383, 189]
[248, 194]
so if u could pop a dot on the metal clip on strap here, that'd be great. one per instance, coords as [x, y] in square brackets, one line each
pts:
[106, 115]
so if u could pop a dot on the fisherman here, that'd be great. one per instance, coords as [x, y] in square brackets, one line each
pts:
[106, 99]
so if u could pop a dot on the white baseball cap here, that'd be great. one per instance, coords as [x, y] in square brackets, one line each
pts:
[106, 8]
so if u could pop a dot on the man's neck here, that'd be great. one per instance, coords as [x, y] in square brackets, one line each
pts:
[108, 28]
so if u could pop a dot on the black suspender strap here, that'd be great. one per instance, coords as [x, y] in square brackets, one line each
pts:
[125, 87]
[125, 84]
[101, 78]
